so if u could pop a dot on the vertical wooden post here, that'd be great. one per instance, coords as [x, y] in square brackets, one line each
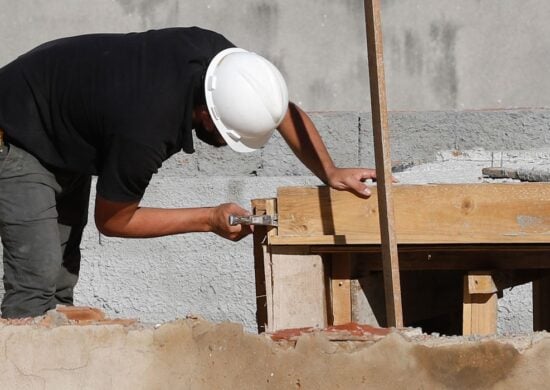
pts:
[290, 281]
[340, 286]
[380, 128]
[480, 304]
[261, 258]
[541, 304]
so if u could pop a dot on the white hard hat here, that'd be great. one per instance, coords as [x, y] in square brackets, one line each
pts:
[246, 96]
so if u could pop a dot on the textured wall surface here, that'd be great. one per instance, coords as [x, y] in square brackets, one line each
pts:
[439, 54]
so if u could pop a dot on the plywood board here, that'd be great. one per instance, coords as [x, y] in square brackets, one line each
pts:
[298, 291]
[340, 283]
[424, 214]
[541, 304]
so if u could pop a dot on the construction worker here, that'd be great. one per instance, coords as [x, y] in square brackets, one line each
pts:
[117, 106]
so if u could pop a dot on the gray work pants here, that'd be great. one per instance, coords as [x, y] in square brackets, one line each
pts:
[42, 216]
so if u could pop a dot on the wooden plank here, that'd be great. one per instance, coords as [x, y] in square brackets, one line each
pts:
[541, 304]
[458, 260]
[421, 238]
[479, 311]
[260, 255]
[298, 290]
[263, 267]
[341, 288]
[427, 248]
[382, 156]
[262, 260]
[503, 213]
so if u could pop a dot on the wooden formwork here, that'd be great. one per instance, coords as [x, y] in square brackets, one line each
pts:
[492, 235]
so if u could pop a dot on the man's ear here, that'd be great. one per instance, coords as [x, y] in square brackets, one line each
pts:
[203, 113]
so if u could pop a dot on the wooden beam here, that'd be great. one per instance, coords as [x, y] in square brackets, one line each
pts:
[459, 260]
[341, 288]
[480, 304]
[424, 214]
[262, 265]
[541, 304]
[383, 162]
[262, 259]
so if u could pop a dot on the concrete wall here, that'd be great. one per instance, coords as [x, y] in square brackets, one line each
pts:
[440, 55]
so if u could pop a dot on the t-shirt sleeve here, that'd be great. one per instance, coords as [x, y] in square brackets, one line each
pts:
[127, 170]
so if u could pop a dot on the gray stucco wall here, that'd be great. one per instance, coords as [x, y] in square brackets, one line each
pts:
[441, 56]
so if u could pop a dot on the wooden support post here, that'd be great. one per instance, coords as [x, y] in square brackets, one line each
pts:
[340, 285]
[480, 304]
[290, 281]
[541, 304]
[383, 163]
[261, 256]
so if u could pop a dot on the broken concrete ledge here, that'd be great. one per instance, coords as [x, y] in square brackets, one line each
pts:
[196, 354]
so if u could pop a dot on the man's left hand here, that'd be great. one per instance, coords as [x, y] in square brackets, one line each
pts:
[352, 180]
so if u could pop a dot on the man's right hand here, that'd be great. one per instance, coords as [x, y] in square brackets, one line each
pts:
[219, 221]
[128, 219]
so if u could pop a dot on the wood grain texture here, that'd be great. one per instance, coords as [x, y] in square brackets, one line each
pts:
[298, 291]
[424, 214]
[479, 311]
[262, 265]
[481, 283]
[541, 304]
[340, 283]
[382, 155]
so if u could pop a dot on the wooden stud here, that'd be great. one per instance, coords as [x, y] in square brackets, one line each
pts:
[383, 163]
[541, 304]
[270, 208]
[341, 288]
[262, 268]
[479, 309]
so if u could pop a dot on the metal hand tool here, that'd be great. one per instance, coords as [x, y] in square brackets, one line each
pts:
[265, 220]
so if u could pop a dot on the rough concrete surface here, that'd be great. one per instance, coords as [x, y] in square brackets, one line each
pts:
[61, 352]
[439, 54]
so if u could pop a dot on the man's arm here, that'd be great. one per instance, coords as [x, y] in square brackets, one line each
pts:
[127, 219]
[303, 138]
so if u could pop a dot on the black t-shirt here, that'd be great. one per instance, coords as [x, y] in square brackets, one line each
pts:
[112, 105]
